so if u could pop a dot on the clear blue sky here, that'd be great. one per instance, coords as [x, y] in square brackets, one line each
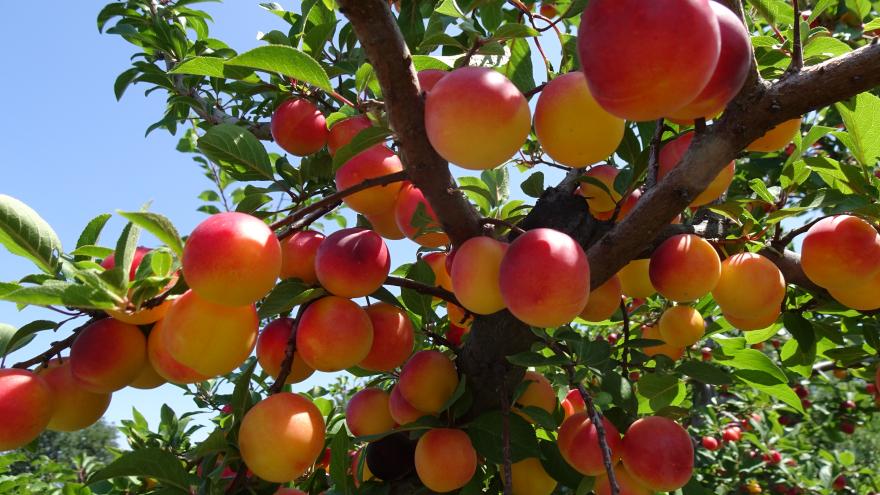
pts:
[71, 151]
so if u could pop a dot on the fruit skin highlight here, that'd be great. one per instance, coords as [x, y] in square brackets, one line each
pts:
[107, 355]
[840, 250]
[25, 406]
[428, 381]
[299, 127]
[73, 407]
[352, 262]
[334, 333]
[553, 295]
[476, 118]
[445, 459]
[730, 73]
[232, 259]
[292, 425]
[684, 268]
[571, 127]
[662, 69]
[476, 274]
[193, 321]
[658, 453]
[271, 350]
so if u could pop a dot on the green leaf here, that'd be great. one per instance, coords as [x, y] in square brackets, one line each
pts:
[486, 434]
[241, 394]
[18, 338]
[450, 8]
[367, 138]
[287, 295]
[534, 185]
[704, 373]
[861, 116]
[24, 233]
[777, 12]
[90, 234]
[824, 47]
[339, 462]
[55, 293]
[125, 249]
[519, 68]
[757, 370]
[534, 359]
[509, 31]
[556, 466]
[660, 390]
[159, 226]
[150, 462]
[286, 61]
[229, 144]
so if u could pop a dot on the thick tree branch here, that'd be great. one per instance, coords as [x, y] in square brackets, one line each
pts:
[386, 49]
[756, 110]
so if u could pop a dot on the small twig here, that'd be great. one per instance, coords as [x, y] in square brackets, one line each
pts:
[502, 223]
[430, 290]
[789, 237]
[625, 312]
[797, 51]
[337, 196]
[439, 339]
[594, 416]
[537, 89]
[654, 154]
[507, 470]
[63, 312]
[58, 346]
[699, 125]
[478, 43]
[289, 352]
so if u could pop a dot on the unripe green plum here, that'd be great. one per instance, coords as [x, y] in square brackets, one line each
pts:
[25, 406]
[476, 118]
[232, 259]
[651, 75]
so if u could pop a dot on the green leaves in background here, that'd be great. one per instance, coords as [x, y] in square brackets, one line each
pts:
[24, 233]
[286, 61]
[237, 151]
[148, 463]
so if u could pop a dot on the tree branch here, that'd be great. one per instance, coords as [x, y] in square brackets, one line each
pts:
[438, 292]
[748, 117]
[336, 197]
[381, 39]
[797, 50]
[58, 346]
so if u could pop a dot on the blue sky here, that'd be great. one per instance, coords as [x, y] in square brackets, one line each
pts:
[71, 151]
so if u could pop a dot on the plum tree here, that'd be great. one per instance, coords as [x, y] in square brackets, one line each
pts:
[682, 150]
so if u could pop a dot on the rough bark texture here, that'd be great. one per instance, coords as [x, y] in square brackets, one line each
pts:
[759, 107]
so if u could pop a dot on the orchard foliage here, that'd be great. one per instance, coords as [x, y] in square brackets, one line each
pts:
[691, 307]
